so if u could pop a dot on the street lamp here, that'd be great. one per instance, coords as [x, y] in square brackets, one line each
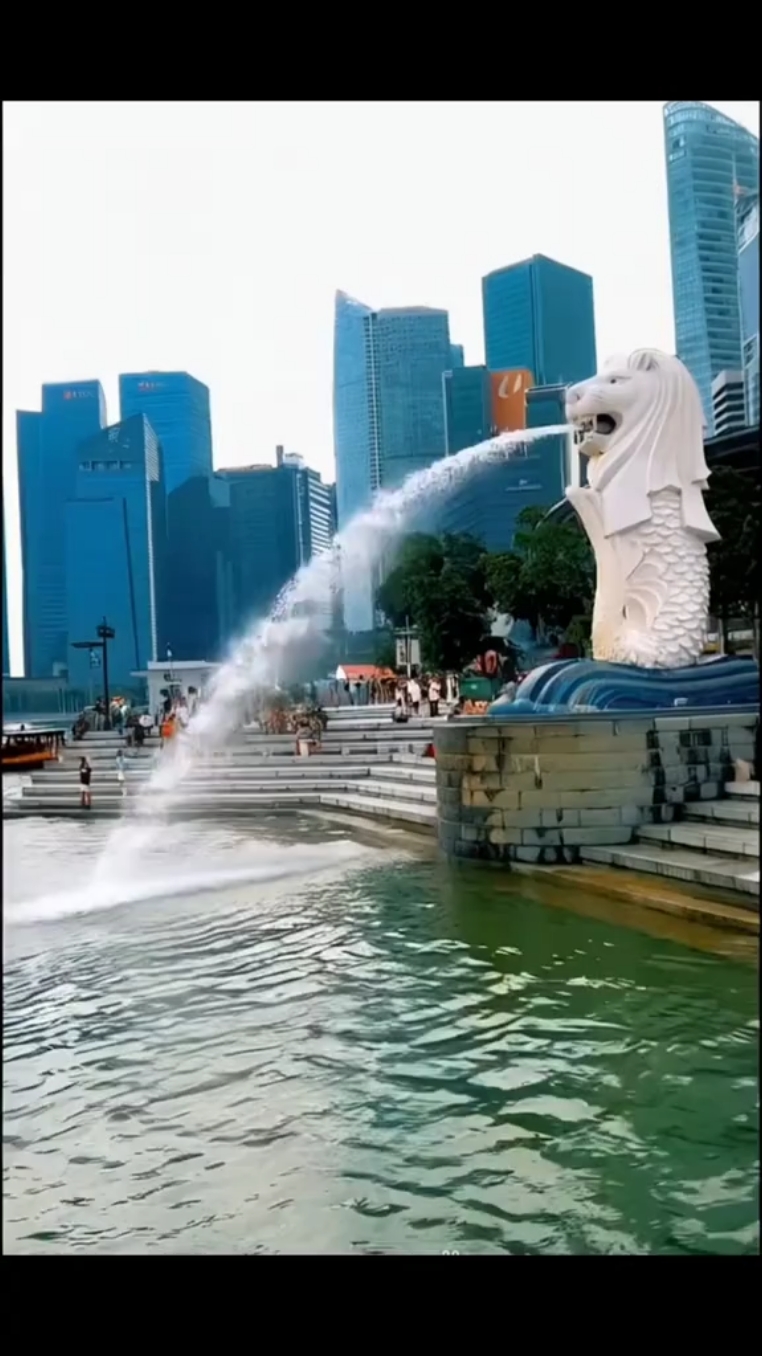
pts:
[105, 633]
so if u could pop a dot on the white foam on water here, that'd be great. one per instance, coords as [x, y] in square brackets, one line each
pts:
[111, 892]
[296, 628]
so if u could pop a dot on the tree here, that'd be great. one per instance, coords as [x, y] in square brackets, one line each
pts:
[386, 650]
[440, 586]
[548, 578]
[733, 503]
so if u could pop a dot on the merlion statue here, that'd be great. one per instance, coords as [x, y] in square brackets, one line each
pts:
[641, 426]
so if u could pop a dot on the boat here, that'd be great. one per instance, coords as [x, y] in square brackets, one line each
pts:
[24, 750]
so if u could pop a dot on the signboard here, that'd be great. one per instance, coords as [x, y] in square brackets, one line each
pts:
[509, 398]
[414, 657]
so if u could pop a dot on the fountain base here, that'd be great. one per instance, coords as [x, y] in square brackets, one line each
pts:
[581, 686]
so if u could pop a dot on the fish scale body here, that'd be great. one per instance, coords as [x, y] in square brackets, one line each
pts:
[675, 570]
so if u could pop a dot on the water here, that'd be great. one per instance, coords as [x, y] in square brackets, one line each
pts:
[374, 1052]
[295, 630]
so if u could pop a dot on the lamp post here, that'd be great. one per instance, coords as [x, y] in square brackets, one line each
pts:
[105, 633]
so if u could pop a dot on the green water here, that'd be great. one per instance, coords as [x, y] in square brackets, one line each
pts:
[373, 1054]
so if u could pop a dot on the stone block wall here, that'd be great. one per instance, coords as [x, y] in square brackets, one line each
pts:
[537, 789]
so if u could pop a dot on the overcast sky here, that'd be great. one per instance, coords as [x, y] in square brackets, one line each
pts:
[211, 237]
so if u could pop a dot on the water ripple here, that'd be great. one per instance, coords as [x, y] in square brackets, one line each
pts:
[369, 1055]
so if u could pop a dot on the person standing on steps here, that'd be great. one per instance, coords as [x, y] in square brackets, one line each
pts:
[85, 773]
[435, 692]
[120, 770]
[414, 692]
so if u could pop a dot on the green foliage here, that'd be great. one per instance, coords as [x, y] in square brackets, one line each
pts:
[548, 579]
[385, 656]
[733, 503]
[440, 585]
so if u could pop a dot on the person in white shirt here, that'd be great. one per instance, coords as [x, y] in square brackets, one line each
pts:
[414, 691]
[435, 692]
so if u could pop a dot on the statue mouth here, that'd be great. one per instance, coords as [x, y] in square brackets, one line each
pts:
[592, 432]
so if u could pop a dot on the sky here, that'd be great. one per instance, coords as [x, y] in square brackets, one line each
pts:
[212, 237]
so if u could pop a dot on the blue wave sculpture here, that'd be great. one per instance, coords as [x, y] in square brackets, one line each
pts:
[590, 685]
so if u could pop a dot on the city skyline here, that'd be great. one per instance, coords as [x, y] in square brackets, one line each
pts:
[106, 290]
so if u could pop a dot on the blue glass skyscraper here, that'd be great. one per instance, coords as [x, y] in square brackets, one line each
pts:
[6, 647]
[388, 412]
[487, 504]
[280, 516]
[198, 597]
[748, 284]
[115, 525]
[539, 315]
[710, 159]
[176, 406]
[47, 444]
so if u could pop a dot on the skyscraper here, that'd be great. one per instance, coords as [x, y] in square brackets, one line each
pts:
[748, 281]
[6, 647]
[176, 406]
[388, 412]
[467, 407]
[115, 547]
[198, 597]
[457, 355]
[47, 444]
[710, 160]
[728, 403]
[487, 504]
[539, 315]
[280, 516]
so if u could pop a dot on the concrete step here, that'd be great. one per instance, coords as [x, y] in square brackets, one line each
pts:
[742, 790]
[206, 804]
[719, 839]
[695, 867]
[423, 817]
[238, 764]
[217, 776]
[741, 812]
[424, 771]
[380, 790]
[255, 791]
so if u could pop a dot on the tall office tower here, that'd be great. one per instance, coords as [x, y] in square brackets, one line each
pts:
[748, 287]
[388, 413]
[457, 355]
[176, 406]
[728, 403]
[487, 504]
[115, 526]
[280, 516]
[6, 647]
[47, 446]
[539, 316]
[198, 603]
[710, 161]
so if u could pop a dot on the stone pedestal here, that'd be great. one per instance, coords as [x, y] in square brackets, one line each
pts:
[538, 789]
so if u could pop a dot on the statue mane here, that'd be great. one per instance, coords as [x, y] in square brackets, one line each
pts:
[658, 443]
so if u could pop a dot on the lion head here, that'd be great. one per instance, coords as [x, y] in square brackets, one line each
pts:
[640, 422]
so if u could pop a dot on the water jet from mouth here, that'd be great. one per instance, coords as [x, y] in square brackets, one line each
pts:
[297, 626]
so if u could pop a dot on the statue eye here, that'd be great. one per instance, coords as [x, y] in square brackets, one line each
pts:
[613, 381]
